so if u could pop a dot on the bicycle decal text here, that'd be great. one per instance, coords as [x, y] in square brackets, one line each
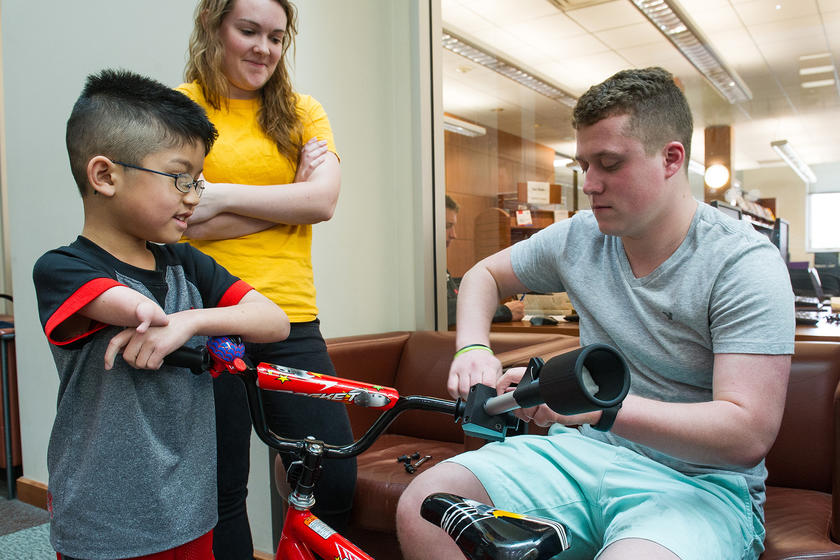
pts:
[319, 527]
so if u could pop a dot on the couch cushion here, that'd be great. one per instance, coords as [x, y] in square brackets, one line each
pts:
[797, 525]
[382, 479]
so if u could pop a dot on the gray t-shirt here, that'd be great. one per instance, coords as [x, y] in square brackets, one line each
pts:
[724, 290]
[132, 454]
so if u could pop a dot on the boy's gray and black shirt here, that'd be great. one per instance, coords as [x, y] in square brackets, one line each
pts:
[132, 454]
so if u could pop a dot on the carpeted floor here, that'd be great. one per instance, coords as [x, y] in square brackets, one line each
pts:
[24, 531]
[27, 544]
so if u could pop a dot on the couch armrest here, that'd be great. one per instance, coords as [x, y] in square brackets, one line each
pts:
[544, 350]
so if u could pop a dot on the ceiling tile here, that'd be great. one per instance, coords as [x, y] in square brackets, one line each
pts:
[557, 35]
[826, 6]
[607, 16]
[456, 16]
[756, 12]
[582, 72]
[792, 30]
[712, 17]
[633, 35]
[500, 11]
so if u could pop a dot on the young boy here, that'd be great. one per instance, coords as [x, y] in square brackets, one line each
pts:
[132, 454]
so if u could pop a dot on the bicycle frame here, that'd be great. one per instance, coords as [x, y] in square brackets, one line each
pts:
[304, 535]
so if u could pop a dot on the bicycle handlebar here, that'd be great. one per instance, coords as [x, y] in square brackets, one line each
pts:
[225, 354]
[589, 378]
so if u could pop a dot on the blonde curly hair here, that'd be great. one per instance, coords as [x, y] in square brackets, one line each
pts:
[278, 115]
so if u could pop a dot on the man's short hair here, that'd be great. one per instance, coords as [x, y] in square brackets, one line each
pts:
[658, 110]
[126, 117]
[451, 204]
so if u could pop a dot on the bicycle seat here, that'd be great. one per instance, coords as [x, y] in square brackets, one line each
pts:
[486, 533]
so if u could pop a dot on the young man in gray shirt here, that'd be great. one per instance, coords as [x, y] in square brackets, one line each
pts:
[702, 309]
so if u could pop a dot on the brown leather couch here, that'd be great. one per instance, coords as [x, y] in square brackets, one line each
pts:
[803, 486]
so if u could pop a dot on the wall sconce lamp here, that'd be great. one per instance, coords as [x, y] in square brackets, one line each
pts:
[796, 163]
[716, 175]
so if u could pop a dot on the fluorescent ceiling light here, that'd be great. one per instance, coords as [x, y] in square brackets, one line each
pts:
[818, 83]
[815, 56]
[787, 153]
[462, 127]
[816, 70]
[678, 28]
[506, 68]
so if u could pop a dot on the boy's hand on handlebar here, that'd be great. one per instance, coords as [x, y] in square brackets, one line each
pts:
[146, 350]
[470, 368]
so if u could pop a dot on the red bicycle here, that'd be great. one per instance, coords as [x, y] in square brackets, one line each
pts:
[481, 531]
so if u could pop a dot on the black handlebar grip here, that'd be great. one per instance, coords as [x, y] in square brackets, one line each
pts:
[197, 360]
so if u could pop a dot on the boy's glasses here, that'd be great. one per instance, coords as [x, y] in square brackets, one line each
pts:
[183, 181]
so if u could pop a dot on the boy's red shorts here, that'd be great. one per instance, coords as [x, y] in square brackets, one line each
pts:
[199, 549]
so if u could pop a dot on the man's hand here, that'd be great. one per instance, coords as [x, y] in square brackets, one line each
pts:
[541, 415]
[517, 309]
[470, 368]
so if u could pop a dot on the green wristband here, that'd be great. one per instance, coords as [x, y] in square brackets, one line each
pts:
[469, 347]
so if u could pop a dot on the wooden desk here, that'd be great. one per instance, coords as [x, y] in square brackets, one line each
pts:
[822, 331]
[563, 327]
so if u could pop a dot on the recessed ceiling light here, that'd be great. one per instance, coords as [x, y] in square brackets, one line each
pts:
[816, 70]
[818, 83]
[815, 56]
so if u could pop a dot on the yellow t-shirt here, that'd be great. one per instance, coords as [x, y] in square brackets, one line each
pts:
[277, 261]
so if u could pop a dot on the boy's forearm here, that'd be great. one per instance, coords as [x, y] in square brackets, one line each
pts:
[255, 321]
[117, 306]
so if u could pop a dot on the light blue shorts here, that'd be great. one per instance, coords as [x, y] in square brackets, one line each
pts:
[604, 493]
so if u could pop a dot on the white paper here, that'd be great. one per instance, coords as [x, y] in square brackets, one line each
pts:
[538, 192]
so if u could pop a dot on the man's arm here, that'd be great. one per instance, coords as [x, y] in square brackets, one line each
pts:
[736, 428]
[478, 296]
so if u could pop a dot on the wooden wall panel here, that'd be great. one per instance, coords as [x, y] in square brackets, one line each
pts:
[477, 171]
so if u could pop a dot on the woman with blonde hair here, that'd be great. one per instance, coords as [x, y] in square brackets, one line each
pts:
[272, 173]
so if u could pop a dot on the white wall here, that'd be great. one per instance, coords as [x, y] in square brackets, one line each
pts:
[789, 191]
[361, 59]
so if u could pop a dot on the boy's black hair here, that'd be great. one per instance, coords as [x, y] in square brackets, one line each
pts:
[125, 116]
